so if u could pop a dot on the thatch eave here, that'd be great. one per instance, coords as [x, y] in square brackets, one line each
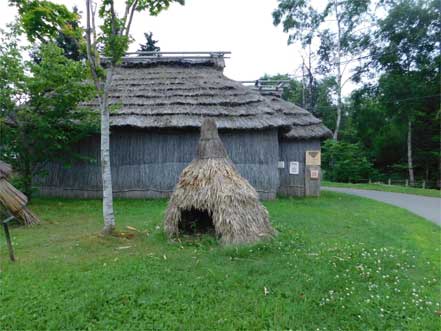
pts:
[303, 125]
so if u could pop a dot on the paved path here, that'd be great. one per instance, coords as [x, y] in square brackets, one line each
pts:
[427, 207]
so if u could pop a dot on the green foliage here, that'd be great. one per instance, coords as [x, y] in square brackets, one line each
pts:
[399, 82]
[154, 7]
[346, 162]
[304, 23]
[405, 49]
[44, 20]
[73, 44]
[39, 100]
[150, 44]
[12, 71]
[114, 37]
[339, 262]
[114, 43]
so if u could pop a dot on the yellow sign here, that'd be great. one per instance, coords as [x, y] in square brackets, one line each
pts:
[313, 158]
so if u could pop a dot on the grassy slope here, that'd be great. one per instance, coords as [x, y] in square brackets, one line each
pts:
[388, 188]
[339, 263]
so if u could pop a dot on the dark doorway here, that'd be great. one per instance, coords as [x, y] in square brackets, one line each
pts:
[196, 221]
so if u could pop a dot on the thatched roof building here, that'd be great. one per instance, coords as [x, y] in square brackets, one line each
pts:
[211, 193]
[159, 104]
[177, 93]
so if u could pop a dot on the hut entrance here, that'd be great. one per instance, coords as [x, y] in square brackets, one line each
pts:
[196, 221]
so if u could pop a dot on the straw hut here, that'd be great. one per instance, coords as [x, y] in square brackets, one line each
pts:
[159, 103]
[12, 199]
[211, 195]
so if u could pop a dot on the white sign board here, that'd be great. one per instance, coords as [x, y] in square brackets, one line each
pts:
[281, 165]
[294, 168]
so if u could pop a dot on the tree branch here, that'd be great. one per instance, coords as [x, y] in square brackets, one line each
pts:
[94, 41]
[90, 58]
[126, 14]
[112, 12]
[129, 23]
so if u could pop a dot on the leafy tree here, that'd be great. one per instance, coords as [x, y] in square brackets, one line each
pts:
[114, 38]
[39, 116]
[44, 20]
[150, 44]
[305, 23]
[346, 162]
[111, 39]
[406, 49]
[72, 43]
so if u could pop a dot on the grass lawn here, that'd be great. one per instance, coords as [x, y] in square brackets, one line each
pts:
[388, 188]
[339, 263]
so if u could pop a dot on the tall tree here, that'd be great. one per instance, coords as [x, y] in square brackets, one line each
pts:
[72, 42]
[406, 48]
[44, 19]
[114, 37]
[39, 117]
[150, 44]
[335, 29]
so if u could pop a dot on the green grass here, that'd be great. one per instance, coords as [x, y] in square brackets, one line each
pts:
[338, 263]
[388, 188]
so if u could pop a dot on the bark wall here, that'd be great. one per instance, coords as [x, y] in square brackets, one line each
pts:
[147, 164]
[294, 185]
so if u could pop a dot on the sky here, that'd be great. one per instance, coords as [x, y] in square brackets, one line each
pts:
[243, 27]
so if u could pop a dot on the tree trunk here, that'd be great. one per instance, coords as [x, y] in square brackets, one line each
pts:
[310, 106]
[109, 218]
[339, 74]
[303, 87]
[409, 154]
[27, 179]
[26, 162]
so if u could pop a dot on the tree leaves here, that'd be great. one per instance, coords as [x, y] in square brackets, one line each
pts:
[43, 20]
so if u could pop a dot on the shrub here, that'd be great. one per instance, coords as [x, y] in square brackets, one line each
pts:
[346, 162]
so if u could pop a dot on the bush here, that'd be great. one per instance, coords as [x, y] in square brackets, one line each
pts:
[346, 162]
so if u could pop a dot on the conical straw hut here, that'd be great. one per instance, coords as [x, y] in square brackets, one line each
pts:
[12, 199]
[212, 196]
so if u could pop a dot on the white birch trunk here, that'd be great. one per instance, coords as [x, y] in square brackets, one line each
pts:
[339, 74]
[109, 218]
[409, 153]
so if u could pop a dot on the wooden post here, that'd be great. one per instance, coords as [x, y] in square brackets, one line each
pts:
[370, 181]
[424, 184]
[406, 183]
[8, 238]
[389, 182]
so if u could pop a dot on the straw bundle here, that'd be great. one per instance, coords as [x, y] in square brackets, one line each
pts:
[210, 187]
[12, 199]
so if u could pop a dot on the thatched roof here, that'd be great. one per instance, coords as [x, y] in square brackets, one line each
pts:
[304, 125]
[211, 188]
[175, 92]
[5, 169]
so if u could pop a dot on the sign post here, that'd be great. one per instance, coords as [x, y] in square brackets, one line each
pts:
[8, 237]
